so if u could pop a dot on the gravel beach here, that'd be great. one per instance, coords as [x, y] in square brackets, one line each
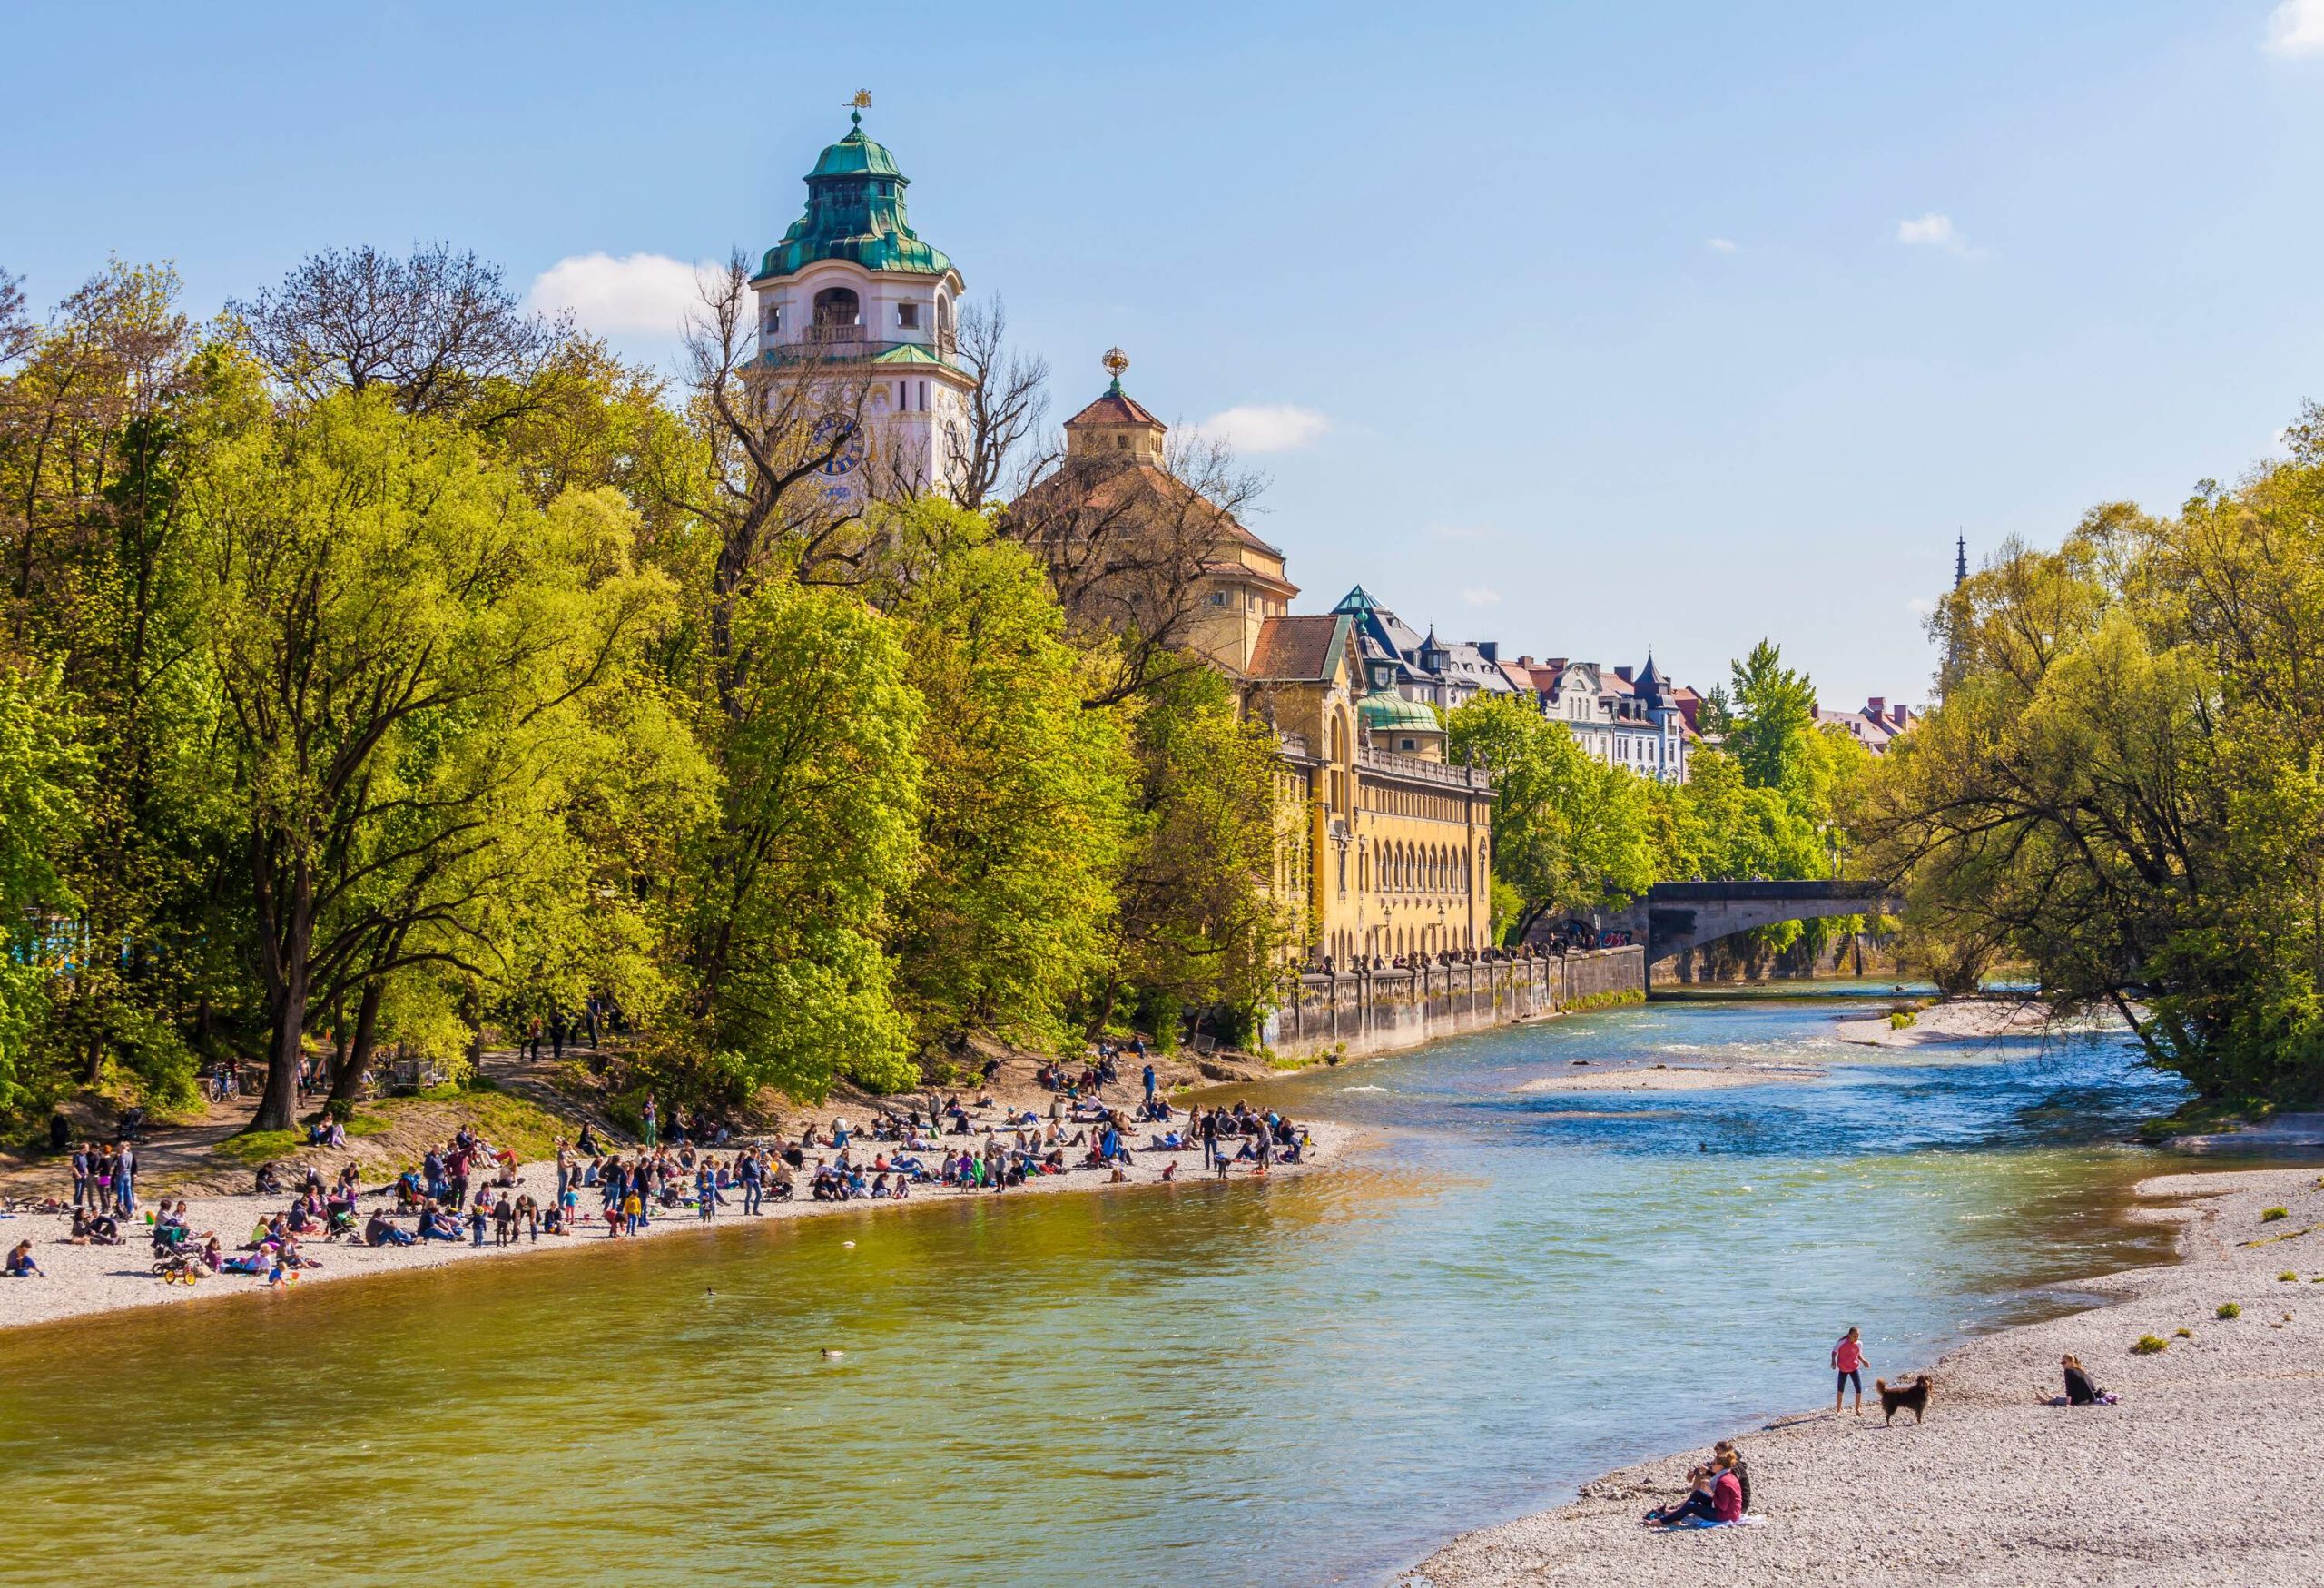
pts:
[2195, 1477]
[80, 1281]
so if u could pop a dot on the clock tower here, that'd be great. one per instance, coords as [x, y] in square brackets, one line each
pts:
[856, 310]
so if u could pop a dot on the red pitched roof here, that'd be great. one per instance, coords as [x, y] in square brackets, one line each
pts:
[1114, 409]
[1106, 484]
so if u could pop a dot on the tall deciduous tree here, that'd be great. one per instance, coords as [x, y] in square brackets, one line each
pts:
[1774, 712]
[1005, 925]
[790, 890]
[396, 632]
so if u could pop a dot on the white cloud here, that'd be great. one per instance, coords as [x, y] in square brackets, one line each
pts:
[1720, 244]
[1935, 230]
[1278, 427]
[1478, 596]
[2296, 28]
[642, 294]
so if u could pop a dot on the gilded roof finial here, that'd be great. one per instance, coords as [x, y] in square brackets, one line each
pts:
[1116, 361]
[861, 102]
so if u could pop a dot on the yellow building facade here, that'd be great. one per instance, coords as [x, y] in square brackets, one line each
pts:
[1382, 850]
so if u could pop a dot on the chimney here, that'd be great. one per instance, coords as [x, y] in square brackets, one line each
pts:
[1623, 674]
[1524, 661]
[1877, 706]
[1490, 649]
[1902, 716]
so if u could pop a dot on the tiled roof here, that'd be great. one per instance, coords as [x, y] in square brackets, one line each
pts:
[1113, 408]
[1307, 648]
[1110, 484]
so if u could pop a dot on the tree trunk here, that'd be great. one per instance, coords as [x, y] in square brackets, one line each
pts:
[279, 1107]
[286, 923]
[347, 1080]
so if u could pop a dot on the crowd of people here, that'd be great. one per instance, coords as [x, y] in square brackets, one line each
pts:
[468, 1190]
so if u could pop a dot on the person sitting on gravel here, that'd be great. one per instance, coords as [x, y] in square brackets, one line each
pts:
[20, 1262]
[379, 1232]
[1696, 1508]
[434, 1224]
[1729, 1459]
[2081, 1390]
[92, 1229]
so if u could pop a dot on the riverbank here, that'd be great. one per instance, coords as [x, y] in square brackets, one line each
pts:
[79, 1281]
[2197, 1474]
[1957, 1022]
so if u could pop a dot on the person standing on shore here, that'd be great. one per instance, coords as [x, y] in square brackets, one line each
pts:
[1848, 1360]
[647, 1134]
[752, 1174]
[125, 1182]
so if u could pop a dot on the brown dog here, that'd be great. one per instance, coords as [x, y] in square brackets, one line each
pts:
[1913, 1397]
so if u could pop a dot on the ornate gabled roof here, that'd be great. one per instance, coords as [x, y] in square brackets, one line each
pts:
[855, 212]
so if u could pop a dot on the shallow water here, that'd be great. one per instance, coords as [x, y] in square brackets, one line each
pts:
[1307, 1382]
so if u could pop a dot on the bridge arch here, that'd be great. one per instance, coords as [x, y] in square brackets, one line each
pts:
[1676, 917]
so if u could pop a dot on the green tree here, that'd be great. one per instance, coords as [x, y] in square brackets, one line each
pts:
[789, 891]
[1027, 810]
[1569, 833]
[1773, 714]
[400, 637]
[1198, 924]
[42, 777]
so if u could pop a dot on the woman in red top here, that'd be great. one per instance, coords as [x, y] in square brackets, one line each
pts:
[1847, 1358]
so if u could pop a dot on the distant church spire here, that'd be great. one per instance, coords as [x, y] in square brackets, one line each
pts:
[1960, 561]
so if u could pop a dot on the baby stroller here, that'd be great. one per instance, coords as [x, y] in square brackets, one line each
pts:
[174, 1256]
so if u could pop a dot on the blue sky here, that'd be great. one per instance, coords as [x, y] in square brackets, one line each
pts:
[1585, 327]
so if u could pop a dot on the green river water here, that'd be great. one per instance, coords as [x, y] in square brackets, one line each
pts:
[1497, 1295]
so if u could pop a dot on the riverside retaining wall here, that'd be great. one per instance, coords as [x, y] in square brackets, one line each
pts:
[1357, 1012]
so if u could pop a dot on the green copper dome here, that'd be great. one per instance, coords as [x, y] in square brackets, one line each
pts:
[1385, 710]
[855, 212]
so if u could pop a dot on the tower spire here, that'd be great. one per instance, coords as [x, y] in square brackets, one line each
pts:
[1960, 561]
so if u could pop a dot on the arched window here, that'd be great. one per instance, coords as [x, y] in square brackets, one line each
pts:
[836, 309]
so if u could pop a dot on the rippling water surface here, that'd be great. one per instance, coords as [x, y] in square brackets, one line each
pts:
[1503, 1293]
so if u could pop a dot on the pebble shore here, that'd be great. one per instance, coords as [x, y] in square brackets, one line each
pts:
[77, 1281]
[2199, 1475]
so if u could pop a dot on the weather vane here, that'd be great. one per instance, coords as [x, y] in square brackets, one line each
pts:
[861, 102]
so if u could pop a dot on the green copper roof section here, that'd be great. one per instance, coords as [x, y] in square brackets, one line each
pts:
[909, 353]
[855, 212]
[1385, 710]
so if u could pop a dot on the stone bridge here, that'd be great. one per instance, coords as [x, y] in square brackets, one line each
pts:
[1677, 917]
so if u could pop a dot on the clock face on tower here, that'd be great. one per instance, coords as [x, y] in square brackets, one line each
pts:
[844, 439]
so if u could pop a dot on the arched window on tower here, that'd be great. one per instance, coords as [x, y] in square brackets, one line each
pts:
[838, 314]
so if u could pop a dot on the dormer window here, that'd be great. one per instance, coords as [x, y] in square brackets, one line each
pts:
[908, 316]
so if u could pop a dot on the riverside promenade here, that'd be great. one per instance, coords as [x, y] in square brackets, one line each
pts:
[1359, 1011]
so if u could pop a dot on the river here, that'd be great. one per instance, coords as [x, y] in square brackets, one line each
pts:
[1498, 1295]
